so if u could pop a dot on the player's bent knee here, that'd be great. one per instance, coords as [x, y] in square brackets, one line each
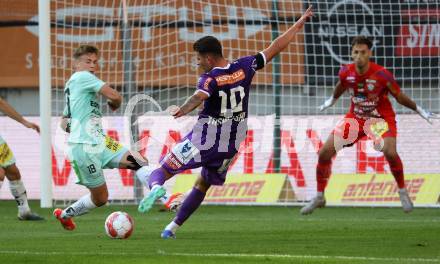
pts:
[12, 173]
[99, 195]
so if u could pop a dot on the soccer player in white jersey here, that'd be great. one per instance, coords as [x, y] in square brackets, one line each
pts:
[89, 150]
[9, 169]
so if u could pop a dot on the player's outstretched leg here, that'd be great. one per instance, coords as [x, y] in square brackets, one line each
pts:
[24, 211]
[66, 223]
[396, 168]
[157, 191]
[174, 201]
[98, 197]
[407, 204]
[323, 171]
[80, 207]
[191, 203]
[18, 190]
[317, 202]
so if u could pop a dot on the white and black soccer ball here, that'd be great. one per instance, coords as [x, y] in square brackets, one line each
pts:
[119, 225]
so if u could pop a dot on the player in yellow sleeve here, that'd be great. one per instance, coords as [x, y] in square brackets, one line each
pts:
[10, 170]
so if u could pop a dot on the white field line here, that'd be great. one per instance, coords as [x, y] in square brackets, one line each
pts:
[224, 255]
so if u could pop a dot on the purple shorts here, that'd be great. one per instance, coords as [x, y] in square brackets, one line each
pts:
[189, 153]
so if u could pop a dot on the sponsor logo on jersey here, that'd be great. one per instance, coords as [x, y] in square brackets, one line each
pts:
[254, 65]
[172, 162]
[379, 128]
[5, 154]
[206, 84]
[186, 148]
[351, 79]
[184, 151]
[112, 144]
[230, 78]
[221, 120]
[94, 104]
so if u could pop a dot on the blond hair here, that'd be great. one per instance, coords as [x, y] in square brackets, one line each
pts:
[85, 49]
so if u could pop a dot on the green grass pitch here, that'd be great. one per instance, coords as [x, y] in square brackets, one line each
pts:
[222, 234]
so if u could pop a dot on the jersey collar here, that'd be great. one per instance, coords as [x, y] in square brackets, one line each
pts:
[223, 68]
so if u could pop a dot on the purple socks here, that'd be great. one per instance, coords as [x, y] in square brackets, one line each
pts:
[156, 177]
[191, 203]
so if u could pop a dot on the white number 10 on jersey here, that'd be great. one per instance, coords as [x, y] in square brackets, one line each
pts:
[235, 107]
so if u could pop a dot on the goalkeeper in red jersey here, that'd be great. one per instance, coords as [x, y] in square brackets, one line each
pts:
[371, 114]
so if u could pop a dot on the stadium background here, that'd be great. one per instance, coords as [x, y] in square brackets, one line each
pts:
[157, 60]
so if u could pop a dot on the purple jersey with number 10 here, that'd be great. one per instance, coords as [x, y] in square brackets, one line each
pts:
[228, 88]
[221, 126]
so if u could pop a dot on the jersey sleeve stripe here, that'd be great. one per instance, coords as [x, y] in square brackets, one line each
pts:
[264, 57]
[203, 92]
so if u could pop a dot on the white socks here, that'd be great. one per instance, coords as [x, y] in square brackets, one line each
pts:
[172, 227]
[19, 193]
[143, 174]
[80, 207]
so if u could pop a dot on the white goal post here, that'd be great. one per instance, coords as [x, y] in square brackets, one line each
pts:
[45, 103]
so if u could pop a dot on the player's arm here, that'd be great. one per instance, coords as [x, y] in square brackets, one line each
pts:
[65, 124]
[10, 111]
[404, 100]
[113, 96]
[337, 92]
[65, 120]
[281, 42]
[191, 103]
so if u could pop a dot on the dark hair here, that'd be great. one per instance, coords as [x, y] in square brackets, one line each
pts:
[208, 44]
[362, 40]
[84, 49]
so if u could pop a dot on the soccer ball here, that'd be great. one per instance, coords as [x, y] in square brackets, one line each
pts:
[119, 225]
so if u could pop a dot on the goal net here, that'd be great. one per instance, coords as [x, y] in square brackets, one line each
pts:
[146, 53]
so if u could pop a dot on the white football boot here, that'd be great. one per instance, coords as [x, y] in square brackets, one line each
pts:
[317, 202]
[407, 204]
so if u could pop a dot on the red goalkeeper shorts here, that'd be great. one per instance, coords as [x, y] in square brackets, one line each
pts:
[352, 129]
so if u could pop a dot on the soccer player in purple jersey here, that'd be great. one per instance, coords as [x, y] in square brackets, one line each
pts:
[223, 89]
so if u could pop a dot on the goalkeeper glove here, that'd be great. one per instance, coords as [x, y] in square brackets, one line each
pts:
[329, 102]
[428, 116]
